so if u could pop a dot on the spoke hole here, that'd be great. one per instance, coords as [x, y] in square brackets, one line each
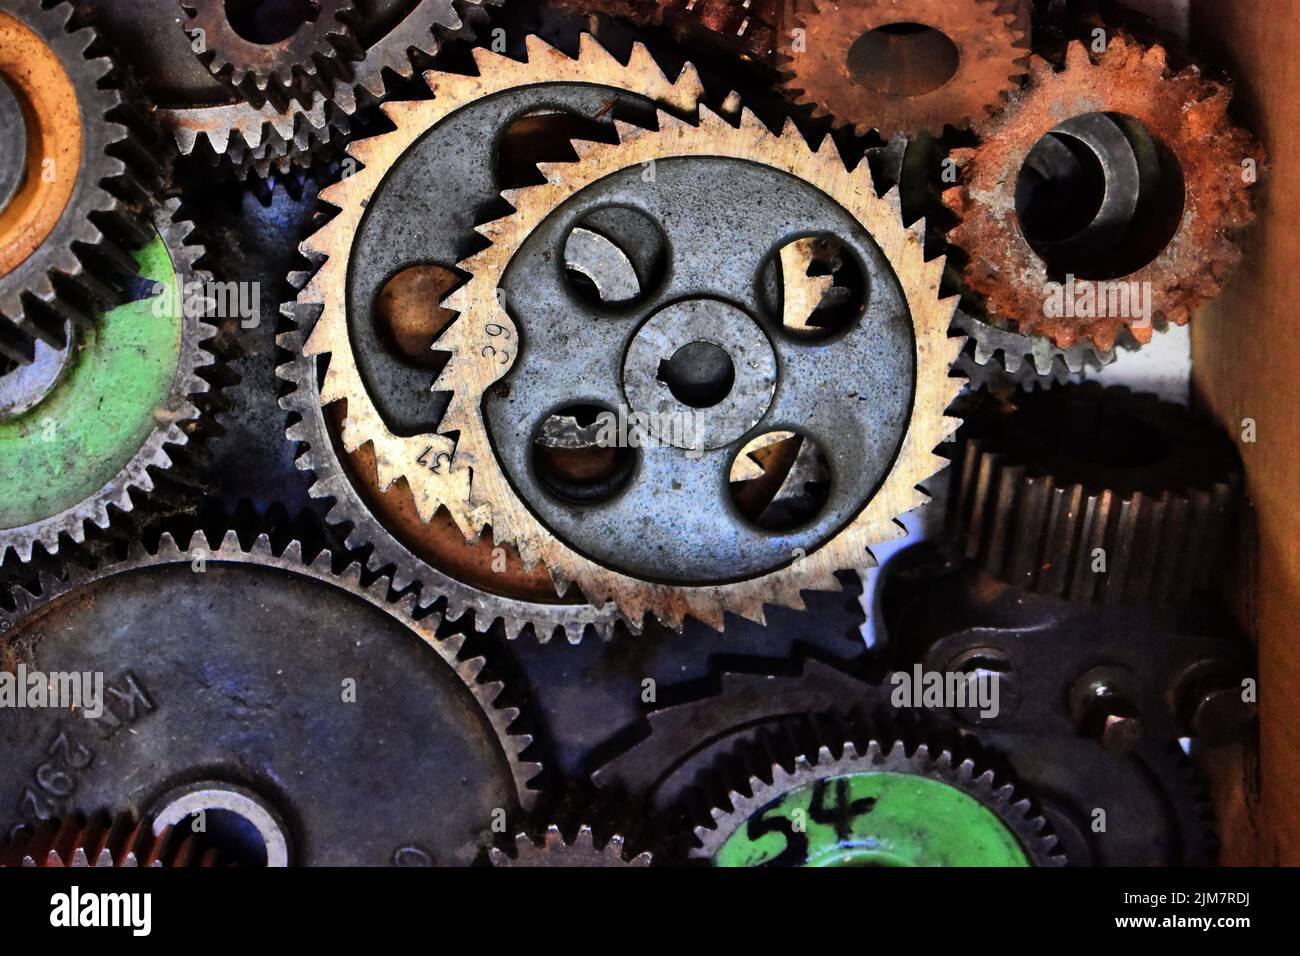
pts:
[815, 286]
[699, 374]
[270, 21]
[780, 481]
[903, 59]
[579, 455]
[614, 256]
[408, 317]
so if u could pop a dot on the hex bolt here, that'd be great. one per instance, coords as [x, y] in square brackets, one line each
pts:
[1101, 703]
[1210, 704]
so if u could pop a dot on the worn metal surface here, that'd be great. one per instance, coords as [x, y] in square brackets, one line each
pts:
[253, 692]
[13, 148]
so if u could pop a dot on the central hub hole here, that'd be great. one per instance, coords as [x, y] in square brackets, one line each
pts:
[236, 839]
[903, 59]
[700, 374]
[270, 21]
[1060, 189]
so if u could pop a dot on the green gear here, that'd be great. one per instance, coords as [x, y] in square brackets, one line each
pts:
[90, 425]
[881, 807]
[874, 819]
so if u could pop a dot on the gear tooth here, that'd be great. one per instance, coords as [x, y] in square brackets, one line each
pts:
[536, 48]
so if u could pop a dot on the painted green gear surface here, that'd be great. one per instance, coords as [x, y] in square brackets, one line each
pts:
[873, 819]
[109, 416]
[878, 806]
[91, 424]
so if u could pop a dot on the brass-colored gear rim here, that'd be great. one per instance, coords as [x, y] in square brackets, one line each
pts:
[469, 373]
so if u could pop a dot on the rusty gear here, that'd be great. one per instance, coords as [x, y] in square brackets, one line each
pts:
[70, 204]
[307, 59]
[101, 841]
[904, 65]
[554, 850]
[1183, 113]
[1042, 486]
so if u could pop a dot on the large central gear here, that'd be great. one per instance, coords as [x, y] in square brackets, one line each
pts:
[877, 463]
[647, 547]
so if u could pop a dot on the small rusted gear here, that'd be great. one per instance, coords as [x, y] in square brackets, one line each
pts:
[1166, 118]
[903, 65]
[1041, 486]
[996, 356]
[103, 841]
[307, 58]
[553, 849]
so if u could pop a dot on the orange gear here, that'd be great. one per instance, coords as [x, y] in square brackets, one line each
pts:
[904, 65]
[1184, 112]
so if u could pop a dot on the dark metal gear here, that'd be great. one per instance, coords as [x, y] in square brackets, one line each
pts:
[104, 841]
[1156, 810]
[285, 679]
[903, 65]
[274, 52]
[1120, 676]
[96, 418]
[1094, 494]
[553, 849]
[996, 356]
[71, 215]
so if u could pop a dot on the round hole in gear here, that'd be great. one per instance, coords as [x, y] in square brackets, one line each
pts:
[699, 374]
[408, 316]
[615, 256]
[234, 837]
[580, 455]
[270, 21]
[1099, 197]
[780, 481]
[903, 59]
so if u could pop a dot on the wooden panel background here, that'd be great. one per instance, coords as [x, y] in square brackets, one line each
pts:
[1247, 362]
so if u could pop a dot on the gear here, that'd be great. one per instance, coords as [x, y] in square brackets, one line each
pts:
[102, 841]
[554, 850]
[1154, 802]
[1126, 183]
[883, 806]
[70, 203]
[306, 55]
[1044, 485]
[995, 355]
[438, 468]
[95, 417]
[906, 66]
[425, 547]
[255, 710]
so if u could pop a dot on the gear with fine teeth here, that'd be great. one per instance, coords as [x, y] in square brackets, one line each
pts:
[995, 354]
[905, 66]
[345, 443]
[1111, 174]
[901, 358]
[305, 58]
[288, 676]
[73, 181]
[1044, 487]
[101, 841]
[879, 806]
[86, 425]
[554, 850]
[486, 376]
